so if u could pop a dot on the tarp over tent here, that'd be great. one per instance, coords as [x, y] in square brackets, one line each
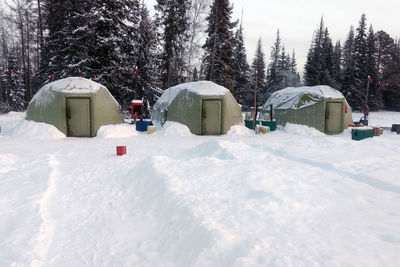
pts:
[76, 106]
[204, 107]
[321, 107]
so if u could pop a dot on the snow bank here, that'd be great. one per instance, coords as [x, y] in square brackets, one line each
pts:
[302, 130]
[14, 125]
[171, 128]
[240, 130]
[117, 131]
[291, 199]
[292, 97]
[35, 130]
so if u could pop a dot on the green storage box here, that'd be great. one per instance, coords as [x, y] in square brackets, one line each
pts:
[361, 133]
[270, 124]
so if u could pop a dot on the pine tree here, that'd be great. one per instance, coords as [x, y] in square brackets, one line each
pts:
[241, 90]
[371, 70]
[319, 66]
[172, 16]
[145, 86]
[15, 82]
[360, 66]
[348, 84]
[294, 76]
[258, 67]
[273, 78]
[218, 64]
[337, 66]
[112, 47]
[388, 71]
[65, 50]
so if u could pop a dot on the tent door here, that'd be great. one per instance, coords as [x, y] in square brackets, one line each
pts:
[333, 117]
[78, 117]
[211, 117]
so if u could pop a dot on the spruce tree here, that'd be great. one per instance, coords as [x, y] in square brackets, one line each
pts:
[172, 17]
[294, 78]
[348, 84]
[273, 78]
[218, 65]
[145, 84]
[15, 83]
[258, 67]
[241, 90]
[358, 92]
[337, 66]
[319, 66]
[371, 70]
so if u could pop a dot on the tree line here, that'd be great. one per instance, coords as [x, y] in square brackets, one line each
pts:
[367, 62]
[136, 55]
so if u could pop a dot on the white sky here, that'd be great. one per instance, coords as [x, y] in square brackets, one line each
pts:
[297, 20]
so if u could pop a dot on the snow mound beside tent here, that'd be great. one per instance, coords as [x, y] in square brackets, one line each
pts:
[300, 97]
[240, 130]
[171, 128]
[116, 131]
[35, 130]
[302, 130]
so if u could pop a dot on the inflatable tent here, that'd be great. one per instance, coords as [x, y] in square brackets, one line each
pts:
[204, 107]
[321, 107]
[75, 106]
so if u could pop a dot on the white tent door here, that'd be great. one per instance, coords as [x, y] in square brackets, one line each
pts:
[78, 117]
[211, 117]
[333, 117]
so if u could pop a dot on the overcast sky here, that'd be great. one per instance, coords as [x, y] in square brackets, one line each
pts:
[297, 20]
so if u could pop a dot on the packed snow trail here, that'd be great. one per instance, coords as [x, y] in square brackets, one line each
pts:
[294, 197]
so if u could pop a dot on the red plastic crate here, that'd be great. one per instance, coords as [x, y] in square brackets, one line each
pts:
[121, 150]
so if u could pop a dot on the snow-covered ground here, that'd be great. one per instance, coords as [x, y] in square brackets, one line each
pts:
[295, 197]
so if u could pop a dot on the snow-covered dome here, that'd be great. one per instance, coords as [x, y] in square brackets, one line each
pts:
[300, 97]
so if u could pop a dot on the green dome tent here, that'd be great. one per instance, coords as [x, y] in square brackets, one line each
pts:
[204, 107]
[76, 106]
[321, 107]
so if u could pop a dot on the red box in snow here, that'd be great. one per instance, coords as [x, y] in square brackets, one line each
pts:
[121, 150]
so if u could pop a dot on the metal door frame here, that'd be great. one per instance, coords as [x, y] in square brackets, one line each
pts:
[220, 120]
[90, 113]
[341, 116]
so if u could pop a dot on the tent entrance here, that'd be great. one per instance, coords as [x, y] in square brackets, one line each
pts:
[211, 117]
[78, 117]
[333, 117]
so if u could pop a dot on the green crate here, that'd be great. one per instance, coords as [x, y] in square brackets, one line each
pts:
[361, 133]
[270, 124]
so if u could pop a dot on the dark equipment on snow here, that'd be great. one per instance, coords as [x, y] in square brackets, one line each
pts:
[396, 128]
